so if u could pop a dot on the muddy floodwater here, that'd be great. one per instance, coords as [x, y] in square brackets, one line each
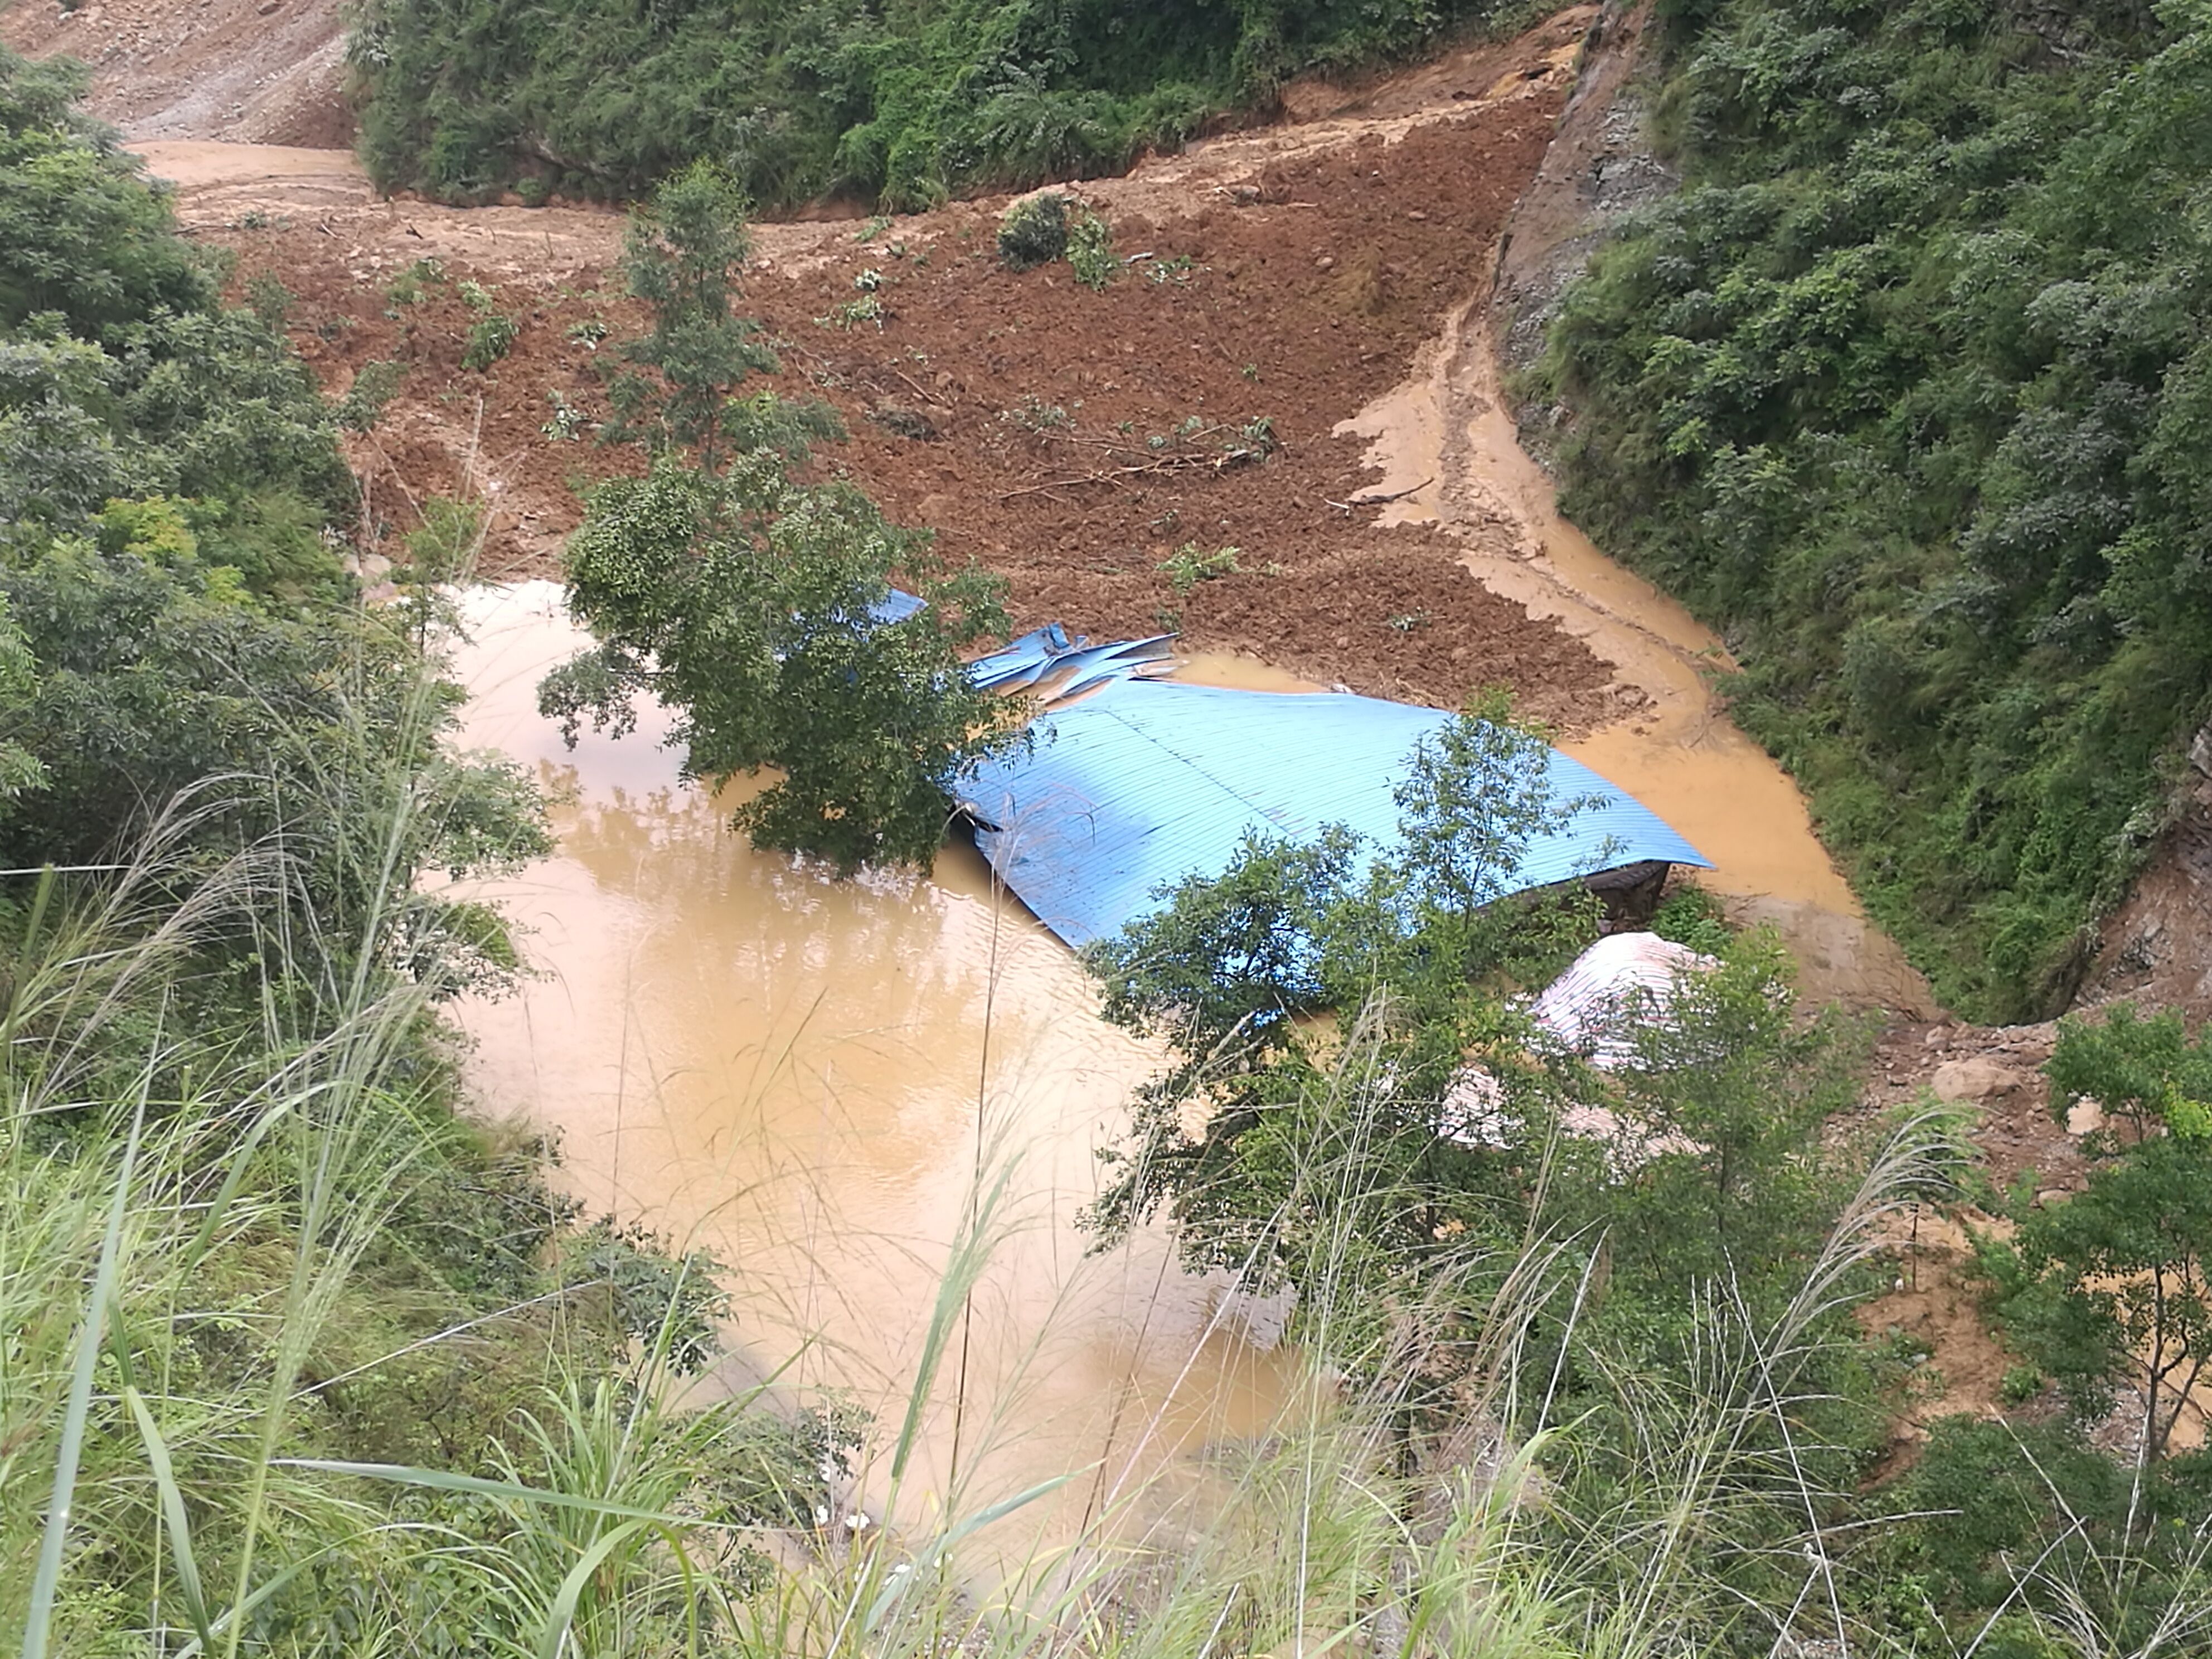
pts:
[1445, 438]
[806, 1076]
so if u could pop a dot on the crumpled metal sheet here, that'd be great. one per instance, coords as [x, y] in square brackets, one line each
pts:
[1145, 782]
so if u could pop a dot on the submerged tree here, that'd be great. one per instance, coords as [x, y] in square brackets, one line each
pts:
[748, 603]
[754, 605]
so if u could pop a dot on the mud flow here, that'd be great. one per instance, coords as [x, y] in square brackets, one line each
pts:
[1445, 447]
[813, 1079]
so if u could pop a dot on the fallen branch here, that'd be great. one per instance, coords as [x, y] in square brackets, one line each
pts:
[1220, 463]
[1380, 501]
[927, 397]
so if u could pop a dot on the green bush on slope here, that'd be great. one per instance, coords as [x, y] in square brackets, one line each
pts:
[1908, 391]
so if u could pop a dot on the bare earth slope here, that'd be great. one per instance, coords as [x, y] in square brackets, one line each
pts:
[255, 71]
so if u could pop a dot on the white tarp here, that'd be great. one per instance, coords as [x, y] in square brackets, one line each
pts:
[1624, 981]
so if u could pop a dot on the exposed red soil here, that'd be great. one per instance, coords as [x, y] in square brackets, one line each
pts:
[1934, 1310]
[1036, 425]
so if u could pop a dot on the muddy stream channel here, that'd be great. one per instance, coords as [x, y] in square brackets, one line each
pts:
[806, 1077]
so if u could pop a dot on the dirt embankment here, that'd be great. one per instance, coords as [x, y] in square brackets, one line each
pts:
[254, 71]
[2157, 947]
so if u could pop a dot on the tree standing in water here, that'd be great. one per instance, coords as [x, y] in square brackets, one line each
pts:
[753, 602]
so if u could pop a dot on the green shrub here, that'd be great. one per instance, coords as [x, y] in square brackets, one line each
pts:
[1090, 252]
[373, 386]
[267, 298]
[491, 336]
[1186, 567]
[1034, 231]
[1690, 915]
[411, 286]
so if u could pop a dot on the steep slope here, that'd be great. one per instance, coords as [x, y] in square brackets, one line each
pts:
[251, 71]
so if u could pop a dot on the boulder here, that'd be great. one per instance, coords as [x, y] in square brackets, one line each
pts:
[1977, 1079]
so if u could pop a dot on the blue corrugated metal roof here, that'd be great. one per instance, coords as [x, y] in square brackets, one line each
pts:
[895, 606]
[1063, 665]
[1148, 781]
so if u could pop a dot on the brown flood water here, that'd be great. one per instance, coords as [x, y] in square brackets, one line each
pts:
[806, 1076]
[1679, 752]
[787, 1070]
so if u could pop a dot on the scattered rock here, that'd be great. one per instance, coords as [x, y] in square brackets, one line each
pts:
[1325, 263]
[2050, 1197]
[1976, 1079]
[2085, 1117]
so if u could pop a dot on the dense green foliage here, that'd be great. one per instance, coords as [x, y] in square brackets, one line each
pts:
[748, 600]
[902, 103]
[176, 631]
[2110, 1287]
[1907, 391]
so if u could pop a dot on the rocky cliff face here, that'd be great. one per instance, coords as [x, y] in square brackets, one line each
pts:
[2157, 947]
[1600, 166]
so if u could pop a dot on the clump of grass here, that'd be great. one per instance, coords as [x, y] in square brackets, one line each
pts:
[1186, 567]
[493, 334]
[411, 286]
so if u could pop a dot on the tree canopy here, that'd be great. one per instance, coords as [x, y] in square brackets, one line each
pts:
[749, 601]
[900, 104]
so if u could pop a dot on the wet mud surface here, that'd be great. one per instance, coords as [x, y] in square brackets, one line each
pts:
[1295, 274]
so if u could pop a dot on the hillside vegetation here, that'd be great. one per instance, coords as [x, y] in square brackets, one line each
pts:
[299, 1359]
[900, 104]
[1909, 391]
[259, 1276]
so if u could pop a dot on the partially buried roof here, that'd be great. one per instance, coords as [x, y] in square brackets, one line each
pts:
[1148, 782]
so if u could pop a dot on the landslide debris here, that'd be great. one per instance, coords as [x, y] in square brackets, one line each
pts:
[1065, 437]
